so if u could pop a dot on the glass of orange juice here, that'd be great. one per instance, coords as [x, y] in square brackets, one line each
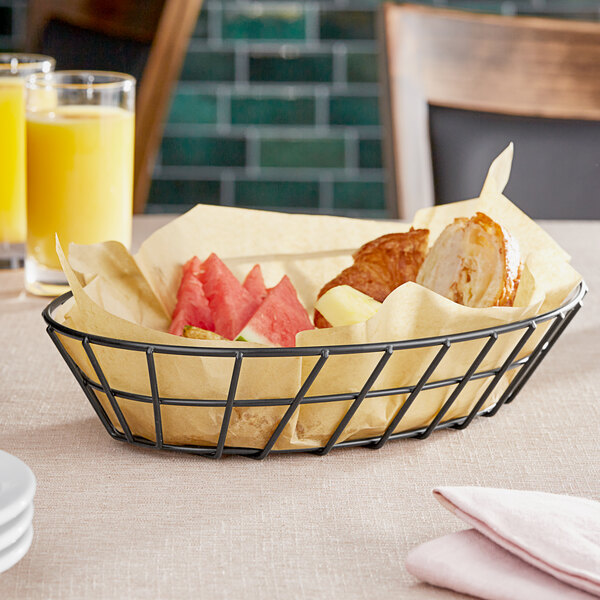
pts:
[79, 167]
[13, 70]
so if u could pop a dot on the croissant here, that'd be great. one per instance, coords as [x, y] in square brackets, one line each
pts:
[381, 265]
[474, 262]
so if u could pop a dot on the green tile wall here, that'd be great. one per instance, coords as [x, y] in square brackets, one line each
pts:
[12, 24]
[347, 25]
[308, 153]
[360, 195]
[174, 192]
[278, 100]
[251, 110]
[257, 21]
[203, 151]
[369, 154]
[191, 107]
[362, 67]
[208, 65]
[353, 110]
[273, 194]
[277, 103]
[290, 67]
[201, 29]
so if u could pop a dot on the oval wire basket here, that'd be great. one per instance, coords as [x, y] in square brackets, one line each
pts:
[558, 318]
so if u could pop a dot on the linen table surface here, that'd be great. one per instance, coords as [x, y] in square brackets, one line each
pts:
[116, 521]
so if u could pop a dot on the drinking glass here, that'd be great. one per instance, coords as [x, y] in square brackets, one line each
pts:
[13, 70]
[79, 168]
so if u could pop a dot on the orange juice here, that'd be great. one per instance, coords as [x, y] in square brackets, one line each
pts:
[79, 178]
[12, 160]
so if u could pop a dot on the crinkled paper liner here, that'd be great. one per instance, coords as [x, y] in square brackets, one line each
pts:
[131, 298]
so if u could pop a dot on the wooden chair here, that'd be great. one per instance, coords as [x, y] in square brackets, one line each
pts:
[537, 80]
[147, 39]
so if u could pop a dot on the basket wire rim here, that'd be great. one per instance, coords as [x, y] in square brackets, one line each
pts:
[572, 300]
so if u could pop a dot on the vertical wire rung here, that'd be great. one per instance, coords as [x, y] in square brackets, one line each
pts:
[358, 401]
[106, 388]
[413, 395]
[294, 405]
[492, 385]
[532, 362]
[89, 393]
[155, 397]
[545, 345]
[235, 376]
[458, 389]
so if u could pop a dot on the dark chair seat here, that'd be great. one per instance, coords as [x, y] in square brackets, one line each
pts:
[459, 86]
[556, 168]
[76, 47]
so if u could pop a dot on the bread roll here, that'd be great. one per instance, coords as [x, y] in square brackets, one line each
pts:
[474, 262]
[381, 265]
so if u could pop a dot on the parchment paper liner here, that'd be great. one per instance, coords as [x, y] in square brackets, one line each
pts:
[131, 298]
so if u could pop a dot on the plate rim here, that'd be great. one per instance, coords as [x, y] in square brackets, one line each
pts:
[26, 486]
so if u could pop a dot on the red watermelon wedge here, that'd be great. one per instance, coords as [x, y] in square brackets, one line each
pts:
[279, 318]
[255, 283]
[192, 306]
[230, 303]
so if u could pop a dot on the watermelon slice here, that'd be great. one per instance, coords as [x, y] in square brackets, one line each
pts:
[279, 318]
[255, 283]
[192, 305]
[231, 304]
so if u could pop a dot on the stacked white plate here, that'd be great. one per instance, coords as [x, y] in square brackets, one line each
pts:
[17, 488]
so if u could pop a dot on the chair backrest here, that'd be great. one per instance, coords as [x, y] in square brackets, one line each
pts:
[146, 39]
[463, 85]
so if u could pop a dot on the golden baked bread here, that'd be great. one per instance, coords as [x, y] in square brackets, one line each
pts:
[474, 262]
[381, 265]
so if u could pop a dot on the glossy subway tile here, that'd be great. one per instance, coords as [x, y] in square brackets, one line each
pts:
[264, 110]
[303, 153]
[369, 152]
[361, 67]
[359, 195]
[347, 24]
[290, 66]
[199, 151]
[189, 107]
[264, 193]
[208, 65]
[354, 110]
[173, 192]
[264, 21]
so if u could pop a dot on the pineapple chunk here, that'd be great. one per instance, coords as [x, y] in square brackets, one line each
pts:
[189, 331]
[343, 305]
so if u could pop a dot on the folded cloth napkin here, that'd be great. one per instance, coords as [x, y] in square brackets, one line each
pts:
[469, 563]
[559, 535]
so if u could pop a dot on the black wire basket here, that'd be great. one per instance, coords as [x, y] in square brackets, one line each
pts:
[518, 367]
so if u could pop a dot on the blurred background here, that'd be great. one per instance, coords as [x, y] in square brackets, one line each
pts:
[277, 103]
